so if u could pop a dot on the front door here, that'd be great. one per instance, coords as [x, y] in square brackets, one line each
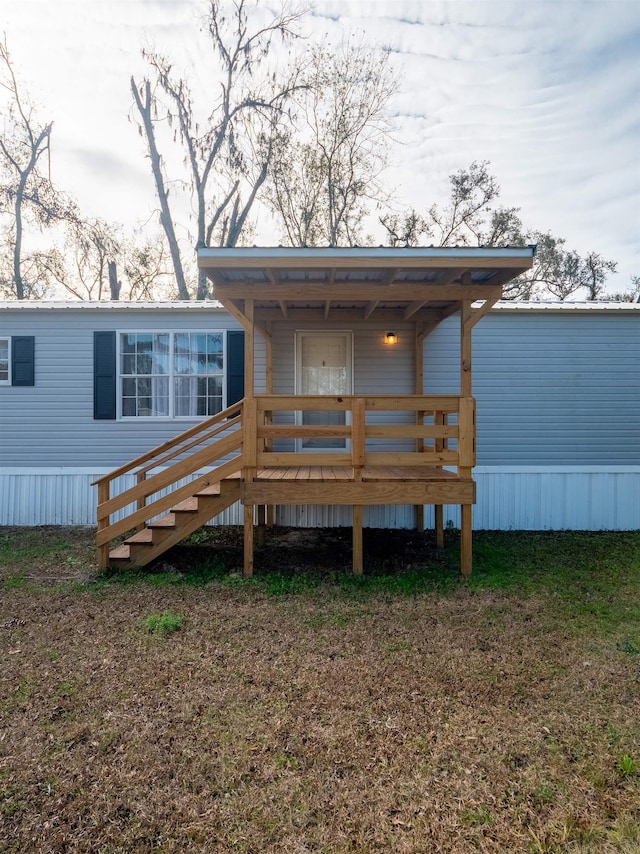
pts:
[324, 366]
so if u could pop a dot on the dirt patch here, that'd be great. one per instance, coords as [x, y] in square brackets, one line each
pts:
[320, 551]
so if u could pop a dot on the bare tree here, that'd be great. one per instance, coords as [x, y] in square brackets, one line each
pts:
[26, 194]
[328, 163]
[472, 217]
[630, 295]
[147, 270]
[227, 155]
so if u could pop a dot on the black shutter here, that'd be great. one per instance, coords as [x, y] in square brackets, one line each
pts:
[104, 375]
[23, 360]
[235, 367]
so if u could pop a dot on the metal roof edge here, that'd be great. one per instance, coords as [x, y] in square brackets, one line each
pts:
[107, 305]
[275, 253]
[560, 306]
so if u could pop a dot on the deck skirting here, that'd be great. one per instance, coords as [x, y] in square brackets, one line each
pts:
[531, 498]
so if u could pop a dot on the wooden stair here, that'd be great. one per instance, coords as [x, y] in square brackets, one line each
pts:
[183, 519]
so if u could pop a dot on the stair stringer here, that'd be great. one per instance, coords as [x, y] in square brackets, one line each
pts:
[164, 536]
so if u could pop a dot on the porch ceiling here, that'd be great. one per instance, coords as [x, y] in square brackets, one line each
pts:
[381, 283]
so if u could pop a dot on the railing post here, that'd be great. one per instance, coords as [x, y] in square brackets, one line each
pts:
[440, 419]
[466, 434]
[358, 432]
[103, 522]
[142, 501]
[466, 461]
[250, 454]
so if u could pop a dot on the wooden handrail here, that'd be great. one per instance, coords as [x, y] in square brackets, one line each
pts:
[207, 453]
[435, 407]
[320, 402]
[229, 412]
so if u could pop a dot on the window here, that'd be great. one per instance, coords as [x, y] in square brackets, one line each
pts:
[5, 376]
[17, 360]
[171, 374]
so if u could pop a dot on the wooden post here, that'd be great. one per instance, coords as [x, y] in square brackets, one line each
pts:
[465, 540]
[358, 457]
[464, 464]
[358, 564]
[358, 432]
[440, 419]
[249, 387]
[248, 541]
[465, 348]
[103, 522]
[268, 380]
[419, 389]
[250, 450]
[261, 524]
[438, 513]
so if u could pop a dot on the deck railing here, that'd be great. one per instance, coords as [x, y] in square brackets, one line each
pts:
[250, 435]
[160, 471]
[426, 422]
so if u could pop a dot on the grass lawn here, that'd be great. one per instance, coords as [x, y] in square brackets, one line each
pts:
[308, 711]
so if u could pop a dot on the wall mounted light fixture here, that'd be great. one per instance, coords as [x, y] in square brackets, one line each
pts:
[390, 338]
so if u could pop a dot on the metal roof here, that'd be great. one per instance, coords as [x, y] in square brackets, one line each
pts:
[214, 305]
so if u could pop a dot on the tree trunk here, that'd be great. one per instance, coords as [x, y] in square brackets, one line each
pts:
[165, 214]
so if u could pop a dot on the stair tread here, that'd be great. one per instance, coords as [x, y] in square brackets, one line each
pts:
[120, 553]
[168, 521]
[214, 489]
[189, 505]
[144, 536]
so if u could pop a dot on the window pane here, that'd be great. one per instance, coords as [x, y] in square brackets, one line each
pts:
[128, 364]
[128, 343]
[4, 360]
[148, 388]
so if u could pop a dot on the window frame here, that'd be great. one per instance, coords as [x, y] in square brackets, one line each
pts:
[171, 375]
[8, 380]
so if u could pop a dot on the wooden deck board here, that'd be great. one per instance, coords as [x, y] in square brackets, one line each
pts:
[369, 473]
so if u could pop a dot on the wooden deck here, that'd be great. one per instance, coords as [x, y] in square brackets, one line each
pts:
[365, 473]
[242, 455]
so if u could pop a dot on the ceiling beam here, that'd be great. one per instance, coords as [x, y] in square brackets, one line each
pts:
[327, 306]
[370, 309]
[347, 315]
[359, 292]
[283, 308]
[446, 279]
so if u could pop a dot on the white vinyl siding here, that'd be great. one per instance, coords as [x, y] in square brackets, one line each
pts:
[551, 388]
[52, 424]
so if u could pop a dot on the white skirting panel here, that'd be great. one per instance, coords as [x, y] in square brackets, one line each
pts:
[508, 498]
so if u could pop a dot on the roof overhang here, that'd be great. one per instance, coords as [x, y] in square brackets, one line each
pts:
[383, 283]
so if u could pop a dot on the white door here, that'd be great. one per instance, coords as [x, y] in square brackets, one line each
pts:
[323, 366]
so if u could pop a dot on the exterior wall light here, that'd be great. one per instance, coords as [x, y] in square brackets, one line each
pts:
[390, 338]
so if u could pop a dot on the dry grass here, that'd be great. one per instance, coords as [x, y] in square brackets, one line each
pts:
[334, 717]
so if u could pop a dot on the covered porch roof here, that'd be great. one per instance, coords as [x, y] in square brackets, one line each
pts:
[383, 283]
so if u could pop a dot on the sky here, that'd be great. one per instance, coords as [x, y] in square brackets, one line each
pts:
[547, 90]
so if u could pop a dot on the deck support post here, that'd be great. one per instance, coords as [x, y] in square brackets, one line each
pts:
[261, 525]
[464, 469]
[438, 513]
[465, 540]
[103, 497]
[358, 564]
[248, 541]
